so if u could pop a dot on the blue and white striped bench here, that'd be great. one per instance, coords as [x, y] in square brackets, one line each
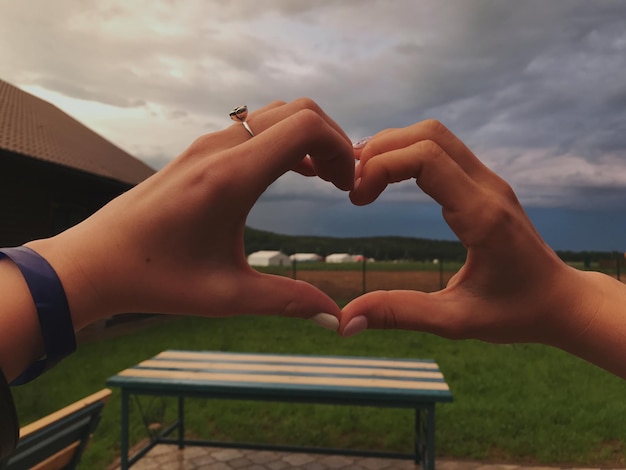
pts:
[366, 381]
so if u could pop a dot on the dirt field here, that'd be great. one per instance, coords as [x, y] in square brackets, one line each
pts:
[346, 285]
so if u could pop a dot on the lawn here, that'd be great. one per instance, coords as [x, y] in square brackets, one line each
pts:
[518, 403]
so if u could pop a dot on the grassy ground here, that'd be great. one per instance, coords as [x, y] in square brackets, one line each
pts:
[520, 403]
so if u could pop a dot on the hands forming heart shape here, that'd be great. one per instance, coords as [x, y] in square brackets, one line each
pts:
[174, 243]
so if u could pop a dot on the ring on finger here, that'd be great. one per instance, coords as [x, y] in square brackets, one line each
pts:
[240, 114]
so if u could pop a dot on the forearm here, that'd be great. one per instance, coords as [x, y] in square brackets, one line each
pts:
[602, 340]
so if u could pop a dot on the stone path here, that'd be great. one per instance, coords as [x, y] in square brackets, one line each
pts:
[169, 457]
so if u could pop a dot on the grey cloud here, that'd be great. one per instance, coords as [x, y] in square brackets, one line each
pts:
[76, 91]
[510, 78]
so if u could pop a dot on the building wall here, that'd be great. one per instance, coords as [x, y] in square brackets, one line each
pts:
[39, 199]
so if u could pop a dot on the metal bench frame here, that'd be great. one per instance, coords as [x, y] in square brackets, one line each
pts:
[424, 450]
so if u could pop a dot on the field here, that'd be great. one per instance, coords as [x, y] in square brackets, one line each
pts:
[512, 403]
[346, 285]
[344, 282]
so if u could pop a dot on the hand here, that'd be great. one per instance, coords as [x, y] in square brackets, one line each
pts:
[174, 243]
[512, 288]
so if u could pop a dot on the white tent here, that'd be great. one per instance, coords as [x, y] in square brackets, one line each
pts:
[340, 258]
[268, 258]
[306, 257]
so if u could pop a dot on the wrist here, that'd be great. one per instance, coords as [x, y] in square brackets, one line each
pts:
[575, 298]
[594, 324]
[51, 311]
[79, 284]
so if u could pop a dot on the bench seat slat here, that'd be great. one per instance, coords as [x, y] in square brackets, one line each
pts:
[295, 369]
[291, 358]
[285, 380]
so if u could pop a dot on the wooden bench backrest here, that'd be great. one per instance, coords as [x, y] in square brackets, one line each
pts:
[58, 440]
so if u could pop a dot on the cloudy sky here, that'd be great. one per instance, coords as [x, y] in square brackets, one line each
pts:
[537, 89]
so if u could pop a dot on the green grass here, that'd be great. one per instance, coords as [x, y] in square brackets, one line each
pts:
[518, 403]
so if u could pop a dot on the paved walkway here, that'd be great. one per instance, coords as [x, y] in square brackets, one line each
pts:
[169, 457]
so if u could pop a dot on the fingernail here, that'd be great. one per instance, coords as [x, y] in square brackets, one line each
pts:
[355, 326]
[326, 320]
[356, 184]
[357, 169]
[362, 142]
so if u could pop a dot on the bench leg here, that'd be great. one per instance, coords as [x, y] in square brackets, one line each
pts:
[124, 434]
[430, 438]
[425, 437]
[419, 451]
[181, 422]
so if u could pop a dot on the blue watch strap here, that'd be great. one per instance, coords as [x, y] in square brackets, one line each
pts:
[53, 310]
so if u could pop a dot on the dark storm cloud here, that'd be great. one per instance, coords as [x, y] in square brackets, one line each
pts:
[535, 88]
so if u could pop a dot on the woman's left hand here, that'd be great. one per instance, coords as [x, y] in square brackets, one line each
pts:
[174, 243]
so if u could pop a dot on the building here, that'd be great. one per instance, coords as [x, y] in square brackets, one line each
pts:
[268, 258]
[306, 258]
[54, 171]
[340, 258]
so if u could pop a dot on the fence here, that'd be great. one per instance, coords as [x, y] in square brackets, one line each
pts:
[346, 281]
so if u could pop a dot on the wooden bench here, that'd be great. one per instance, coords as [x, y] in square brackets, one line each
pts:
[397, 383]
[57, 441]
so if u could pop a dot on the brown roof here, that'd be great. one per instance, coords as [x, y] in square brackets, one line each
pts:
[32, 127]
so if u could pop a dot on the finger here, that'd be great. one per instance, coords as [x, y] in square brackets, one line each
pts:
[258, 121]
[305, 167]
[360, 144]
[240, 133]
[267, 107]
[263, 159]
[434, 171]
[275, 113]
[430, 130]
[405, 310]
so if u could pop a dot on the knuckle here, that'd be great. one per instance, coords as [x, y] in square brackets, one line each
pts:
[496, 217]
[389, 320]
[435, 127]
[308, 103]
[309, 119]
[277, 103]
[430, 151]
[507, 192]
[204, 142]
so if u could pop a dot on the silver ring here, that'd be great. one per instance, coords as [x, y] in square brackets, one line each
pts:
[240, 114]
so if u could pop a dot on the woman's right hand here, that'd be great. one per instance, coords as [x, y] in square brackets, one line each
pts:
[513, 287]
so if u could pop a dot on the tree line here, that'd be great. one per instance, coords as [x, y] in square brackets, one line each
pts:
[384, 248]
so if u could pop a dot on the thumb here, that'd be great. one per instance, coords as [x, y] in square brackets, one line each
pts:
[291, 298]
[433, 312]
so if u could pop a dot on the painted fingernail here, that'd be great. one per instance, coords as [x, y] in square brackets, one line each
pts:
[355, 326]
[326, 320]
[359, 144]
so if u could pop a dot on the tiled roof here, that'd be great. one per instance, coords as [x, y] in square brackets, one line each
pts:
[32, 127]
